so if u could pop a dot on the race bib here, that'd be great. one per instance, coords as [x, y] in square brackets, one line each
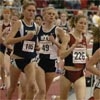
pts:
[79, 55]
[28, 46]
[45, 47]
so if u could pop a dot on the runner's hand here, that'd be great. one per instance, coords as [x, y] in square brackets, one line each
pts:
[51, 38]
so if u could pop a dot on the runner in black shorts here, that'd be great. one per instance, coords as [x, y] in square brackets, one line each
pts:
[48, 36]
[23, 36]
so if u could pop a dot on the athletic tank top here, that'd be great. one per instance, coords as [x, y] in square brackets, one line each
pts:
[8, 27]
[26, 48]
[46, 46]
[78, 55]
[65, 27]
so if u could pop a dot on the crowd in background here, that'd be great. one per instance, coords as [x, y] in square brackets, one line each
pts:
[88, 7]
[71, 4]
[64, 17]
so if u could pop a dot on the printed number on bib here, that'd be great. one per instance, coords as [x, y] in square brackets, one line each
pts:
[79, 55]
[45, 47]
[28, 46]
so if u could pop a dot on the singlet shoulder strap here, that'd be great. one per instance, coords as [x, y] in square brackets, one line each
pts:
[21, 28]
[35, 26]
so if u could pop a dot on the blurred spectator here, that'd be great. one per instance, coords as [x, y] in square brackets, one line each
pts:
[56, 3]
[16, 3]
[84, 4]
[41, 3]
[14, 10]
[95, 18]
[74, 4]
[80, 12]
[92, 9]
[96, 2]
[93, 6]
[69, 3]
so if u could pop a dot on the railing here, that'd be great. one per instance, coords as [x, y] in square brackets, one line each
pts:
[19, 9]
[72, 10]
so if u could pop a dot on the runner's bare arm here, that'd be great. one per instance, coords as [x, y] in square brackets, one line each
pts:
[93, 60]
[61, 36]
[12, 40]
[65, 51]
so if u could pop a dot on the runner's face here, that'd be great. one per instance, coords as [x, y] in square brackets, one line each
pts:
[38, 20]
[63, 17]
[50, 15]
[81, 25]
[6, 16]
[29, 12]
[14, 19]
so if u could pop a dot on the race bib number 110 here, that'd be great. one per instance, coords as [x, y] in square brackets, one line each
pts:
[79, 55]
